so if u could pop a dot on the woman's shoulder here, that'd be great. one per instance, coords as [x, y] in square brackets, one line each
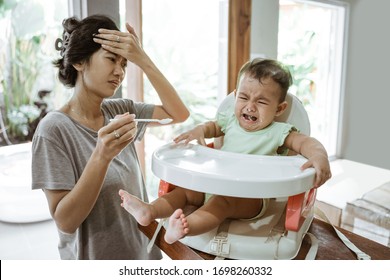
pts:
[54, 117]
[54, 120]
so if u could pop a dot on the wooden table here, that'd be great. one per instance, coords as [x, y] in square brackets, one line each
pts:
[330, 247]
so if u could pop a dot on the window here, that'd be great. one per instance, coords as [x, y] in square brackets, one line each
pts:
[192, 53]
[188, 42]
[311, 41]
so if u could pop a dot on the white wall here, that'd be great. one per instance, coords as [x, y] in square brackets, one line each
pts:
[366, 133]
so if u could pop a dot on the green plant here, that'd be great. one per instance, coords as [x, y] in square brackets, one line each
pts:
[301, 51]
[24, 67]
[19, 120]
[22, 61]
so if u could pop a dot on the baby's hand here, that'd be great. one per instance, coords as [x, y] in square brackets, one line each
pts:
[194, 134]
[321, 165]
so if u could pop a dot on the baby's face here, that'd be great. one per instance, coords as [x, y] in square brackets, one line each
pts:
[257, 103]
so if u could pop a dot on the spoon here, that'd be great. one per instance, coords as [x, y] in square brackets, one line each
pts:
[163, 121]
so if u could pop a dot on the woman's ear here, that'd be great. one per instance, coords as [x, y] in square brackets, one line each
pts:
[281, 108]
[78, 66]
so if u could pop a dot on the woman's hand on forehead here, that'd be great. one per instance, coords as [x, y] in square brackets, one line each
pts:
[125, 44]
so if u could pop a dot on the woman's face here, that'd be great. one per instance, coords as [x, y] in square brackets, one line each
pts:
[257, 103]
[104, 73]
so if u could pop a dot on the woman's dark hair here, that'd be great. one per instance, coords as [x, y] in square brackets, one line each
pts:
[77, 45]
[260, 68]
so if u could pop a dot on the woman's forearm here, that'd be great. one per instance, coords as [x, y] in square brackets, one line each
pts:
[77, 204]
[170, 100]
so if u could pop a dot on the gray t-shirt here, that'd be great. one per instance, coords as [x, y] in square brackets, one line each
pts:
[61, 148]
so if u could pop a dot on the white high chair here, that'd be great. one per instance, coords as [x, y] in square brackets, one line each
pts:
[279, 233]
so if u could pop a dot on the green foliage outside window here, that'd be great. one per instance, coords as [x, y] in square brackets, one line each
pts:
[26, 72]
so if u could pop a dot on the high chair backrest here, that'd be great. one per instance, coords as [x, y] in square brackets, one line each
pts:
[295, 113]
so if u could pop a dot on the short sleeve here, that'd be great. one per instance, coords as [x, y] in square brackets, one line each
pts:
[286, 129]
[225, 111]
[223, 120]
[142, 111]
[51, 166]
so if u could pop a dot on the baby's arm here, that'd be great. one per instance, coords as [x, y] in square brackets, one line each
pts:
[200, 133]
[315, 153]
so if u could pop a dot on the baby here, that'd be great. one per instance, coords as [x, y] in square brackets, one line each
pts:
[250, 128]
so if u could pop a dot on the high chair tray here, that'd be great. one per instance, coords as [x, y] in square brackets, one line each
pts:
[213, 171]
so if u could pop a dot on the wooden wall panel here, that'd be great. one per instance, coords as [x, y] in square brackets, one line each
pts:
[240, 12]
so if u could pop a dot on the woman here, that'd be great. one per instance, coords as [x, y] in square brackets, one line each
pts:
[80, 158]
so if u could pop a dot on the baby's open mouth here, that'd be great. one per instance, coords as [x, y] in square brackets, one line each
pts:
[249, 117]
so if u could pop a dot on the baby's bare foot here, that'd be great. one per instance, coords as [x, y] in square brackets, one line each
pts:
[177, 227]
[140, 210]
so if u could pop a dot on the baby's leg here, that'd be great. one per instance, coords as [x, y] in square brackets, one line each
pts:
[217, 209]
[140, 210]
[162, 207]
[177, 227]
